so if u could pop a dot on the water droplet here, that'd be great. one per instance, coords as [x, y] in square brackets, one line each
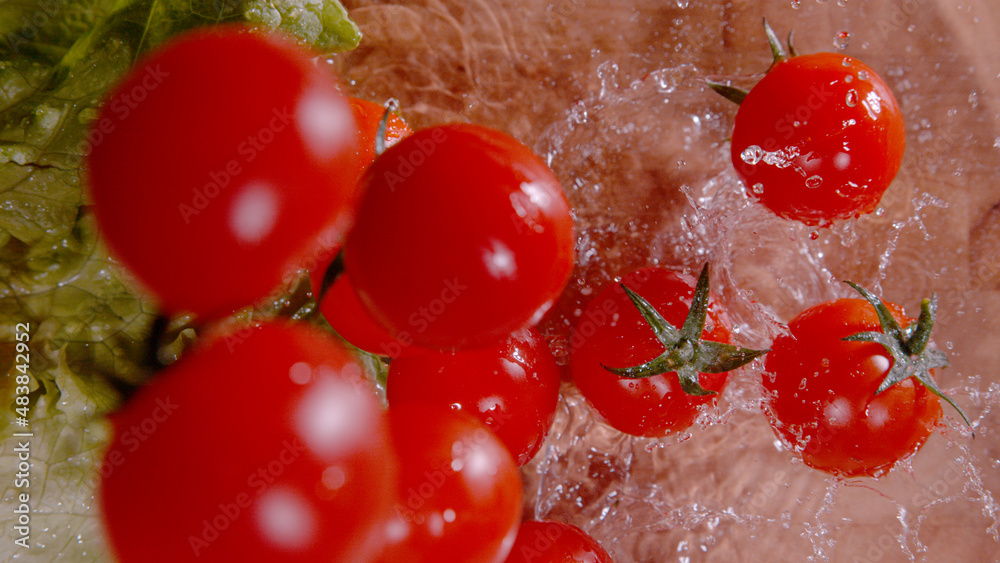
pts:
[752, 154]
[880, 212]
[852, 98]
[911, 28]
[842, 3]
[863, 74]
[842, 39]
[846, 61]
[757, 188]
[814, 181]
[802, 384]
[814, 235]
[796, 4]
[849, 78]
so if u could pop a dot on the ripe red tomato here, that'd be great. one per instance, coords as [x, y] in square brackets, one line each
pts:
[345, 313]
[613, 333]
[511, 387]
[367, 116]
[218, 164]
[819, 138]
[264, 445]
[463, 236]
[338, 303]
[459, 493]
[821, 392]
[555, 542]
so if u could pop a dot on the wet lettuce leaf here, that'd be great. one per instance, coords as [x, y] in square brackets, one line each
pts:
[88, 327]
[57, 60]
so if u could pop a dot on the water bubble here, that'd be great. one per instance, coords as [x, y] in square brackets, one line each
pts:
[752, 154]
[814, 181]
[796, 4]
[842, 39]
[852, 98]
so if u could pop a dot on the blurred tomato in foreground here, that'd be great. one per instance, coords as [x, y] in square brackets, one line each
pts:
[264, 445]
[219, 164]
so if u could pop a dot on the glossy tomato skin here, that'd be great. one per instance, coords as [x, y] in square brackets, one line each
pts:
[218, 165]
[340, 304]
[459, 492]
[818, 139]
[820, 393]
[342, 308]
[463, 236]
[547, 541]
[511, 387]
[367, 115]
[612, 332]
[261, 445]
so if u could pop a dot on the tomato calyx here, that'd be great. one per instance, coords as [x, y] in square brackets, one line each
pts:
[684, 350]
[907, 346]
[391, 107]
[778, 51]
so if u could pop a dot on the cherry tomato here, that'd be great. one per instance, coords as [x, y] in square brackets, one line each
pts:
[339, 303]
[345, 313]
[218, 164]
[512, 387]
[821, 392]
[459, 493]
[463, 236]
[819, 138]
[367, 116]
[262, 445]
[555, 542]
[613, 333]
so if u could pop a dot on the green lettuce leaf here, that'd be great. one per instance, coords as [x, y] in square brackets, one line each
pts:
[89, 329]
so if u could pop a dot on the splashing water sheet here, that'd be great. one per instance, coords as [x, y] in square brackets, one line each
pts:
[613, 96]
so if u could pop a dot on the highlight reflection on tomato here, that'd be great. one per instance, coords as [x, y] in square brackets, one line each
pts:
[286, 455]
